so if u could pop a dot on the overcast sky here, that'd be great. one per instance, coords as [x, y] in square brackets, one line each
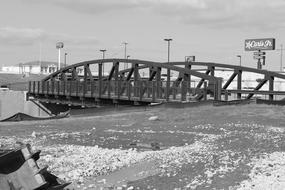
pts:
[212, 30]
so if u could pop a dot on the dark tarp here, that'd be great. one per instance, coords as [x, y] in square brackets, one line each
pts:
[271, 102]
[25, 117]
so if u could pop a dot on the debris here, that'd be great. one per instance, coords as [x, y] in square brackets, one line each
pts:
[155, 146]
[34, 134]
[153, 118]
[19, 170]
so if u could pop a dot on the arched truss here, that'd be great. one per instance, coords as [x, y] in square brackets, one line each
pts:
[237, 72]
[164, 89]
[129, 84]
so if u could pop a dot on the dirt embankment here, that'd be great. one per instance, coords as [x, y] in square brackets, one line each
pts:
[238, 147]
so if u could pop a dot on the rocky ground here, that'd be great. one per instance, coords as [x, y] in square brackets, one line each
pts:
[206, 147]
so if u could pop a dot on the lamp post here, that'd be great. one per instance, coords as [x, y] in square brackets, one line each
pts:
[65, 54]
[59, 45]
[168, 70]
[168, 43]
[126, 65]
[128, 56]
[239, 56]
[281, 57]
[103, 57]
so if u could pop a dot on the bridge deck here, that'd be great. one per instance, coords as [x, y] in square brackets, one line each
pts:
[77, 83]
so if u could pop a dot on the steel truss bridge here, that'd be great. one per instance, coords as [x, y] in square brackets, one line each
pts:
[145, 82]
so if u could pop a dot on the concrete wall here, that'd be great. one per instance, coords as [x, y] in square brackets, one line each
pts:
[12, 102]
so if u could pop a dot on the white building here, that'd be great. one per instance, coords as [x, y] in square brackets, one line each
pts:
[33, 67]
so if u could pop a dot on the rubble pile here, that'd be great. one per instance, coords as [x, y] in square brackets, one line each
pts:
[19, 170]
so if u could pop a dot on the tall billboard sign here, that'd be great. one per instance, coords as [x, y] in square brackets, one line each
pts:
[259, 44]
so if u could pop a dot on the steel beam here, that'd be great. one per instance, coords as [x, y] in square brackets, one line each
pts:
[203, 79]
[262, 82]
[232, 77]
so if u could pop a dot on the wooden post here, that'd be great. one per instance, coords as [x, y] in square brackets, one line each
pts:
[30, 86]
[92, 85]
[109, 89]
[136, 79]
[38, 87]
[47, 87]
[58, 87]
[149, 86]
[158, 82]
[153, 91]
[34, 86]
[119, 88]
[129, 89]
[64, 87]
[52, 85]
[218, 89]
[205, 90]
[183, 95]
[77, 88]
[100, 80]
[226, 95]
[85, 80]
[167, 93]
[116, 77]
[141, 90]
[271, 87]
[188, 77]
[43, 86]
[70, 88]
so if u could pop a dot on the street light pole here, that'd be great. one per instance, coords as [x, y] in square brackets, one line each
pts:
[103, 55]
[168, 70]
[281, 57]
[65, 54]
[239, 56]
[126, 64]
[168, 43]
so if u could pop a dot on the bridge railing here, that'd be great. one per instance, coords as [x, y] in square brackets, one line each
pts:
[151, 91]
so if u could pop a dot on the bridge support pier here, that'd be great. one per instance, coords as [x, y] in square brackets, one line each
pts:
[218, 89]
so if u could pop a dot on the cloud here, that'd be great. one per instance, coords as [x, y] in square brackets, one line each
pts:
[24, 36]
[256, 14]
[31, 36]
[237, 14]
